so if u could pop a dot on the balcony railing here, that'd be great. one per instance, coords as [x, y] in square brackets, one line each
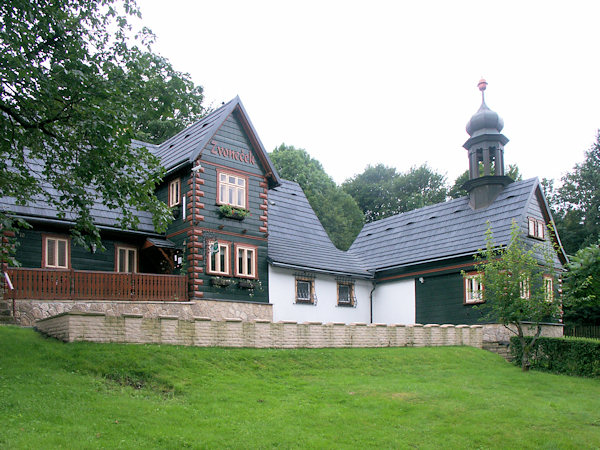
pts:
[49, 284]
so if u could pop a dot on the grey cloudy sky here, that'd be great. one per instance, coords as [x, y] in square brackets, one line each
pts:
[394, 82]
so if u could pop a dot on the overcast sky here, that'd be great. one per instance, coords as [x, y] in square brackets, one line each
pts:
[395, 82]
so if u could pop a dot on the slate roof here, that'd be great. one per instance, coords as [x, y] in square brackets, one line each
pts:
[102, 216]
[441, 231]
[298, 240]
[185, 146]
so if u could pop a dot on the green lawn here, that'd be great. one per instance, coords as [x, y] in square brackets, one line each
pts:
[83, 395]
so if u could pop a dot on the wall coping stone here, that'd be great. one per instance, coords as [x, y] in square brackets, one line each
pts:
[261, 321]
[313, 323]
[202, 319]
[168, 317]
[133, 316]
[431, 325]
[232, 319]
[290, 322]
[359, 324]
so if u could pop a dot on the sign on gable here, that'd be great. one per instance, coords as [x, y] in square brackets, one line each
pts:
[225, 152]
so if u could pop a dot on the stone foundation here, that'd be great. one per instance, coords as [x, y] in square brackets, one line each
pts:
[27, 312]
[233, 332]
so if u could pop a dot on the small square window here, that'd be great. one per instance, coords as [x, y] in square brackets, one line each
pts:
[232, 190]
[536, 228]
[246, 259]
[305, 290]
[56, 253]
[345, 292]
[218, 258]
[126, 259]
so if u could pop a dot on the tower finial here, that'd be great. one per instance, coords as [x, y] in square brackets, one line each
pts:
[482, 85]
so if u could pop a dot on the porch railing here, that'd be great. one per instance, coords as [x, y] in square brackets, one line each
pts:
[49, 284]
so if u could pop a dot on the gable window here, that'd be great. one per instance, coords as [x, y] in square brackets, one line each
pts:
[246, 257]
[56, 253]
[305, 290]
[218, 258]
[232, 190]
[175, 192]
[126, 259]
[345, 293]
[473, 288]
[536, 228]
[549, 287]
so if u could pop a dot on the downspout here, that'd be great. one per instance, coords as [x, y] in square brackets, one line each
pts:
[371, 299]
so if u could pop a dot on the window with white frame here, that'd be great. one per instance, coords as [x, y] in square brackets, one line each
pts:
[245, 261]
[536, 228]
[175, 192]
[473, 288]
[232, 190]
[126, 259]
[524, 290]
[218, 258]
[56, 253]
[549, 287]
[345, 293]
[305, 290]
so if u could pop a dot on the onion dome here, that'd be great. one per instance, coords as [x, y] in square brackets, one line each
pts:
[484, 121]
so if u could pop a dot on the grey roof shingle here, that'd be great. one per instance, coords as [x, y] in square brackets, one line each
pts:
[441, 231]
[297, 239]
[185, 146]
[38, 207]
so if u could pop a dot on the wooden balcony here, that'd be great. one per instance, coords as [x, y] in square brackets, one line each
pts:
[50, 284]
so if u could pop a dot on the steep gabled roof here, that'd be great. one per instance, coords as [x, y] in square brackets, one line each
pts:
[443, 231]
[185, 147]
[298, 240]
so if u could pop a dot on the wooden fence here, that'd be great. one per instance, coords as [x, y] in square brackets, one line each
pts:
[585, 331]
[50, 284]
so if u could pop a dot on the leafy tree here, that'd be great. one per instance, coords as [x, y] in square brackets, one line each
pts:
[582, 287]
[382, 192]
[75, 89]
[457, 191]
[576, 203]
[515, 287]
[337, 211]
[373, 191]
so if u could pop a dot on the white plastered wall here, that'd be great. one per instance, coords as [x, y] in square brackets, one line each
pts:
[282, 294]
[394, 303]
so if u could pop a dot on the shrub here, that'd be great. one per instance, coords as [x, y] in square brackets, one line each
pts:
[569, 356]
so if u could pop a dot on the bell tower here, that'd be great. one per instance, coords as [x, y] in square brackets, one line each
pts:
[485, 148]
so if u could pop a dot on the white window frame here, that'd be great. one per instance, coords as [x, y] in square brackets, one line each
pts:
[248, 269]
[473, 289]
[549, 287]
[351, 299]
[536, 228]
[524, 289]
[232, 189]
[55, 255]
[311, 290]
[128, 252]
[175, 192]
[224, 249]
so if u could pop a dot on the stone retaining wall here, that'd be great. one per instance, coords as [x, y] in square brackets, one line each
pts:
[233, 332]
[27, 312]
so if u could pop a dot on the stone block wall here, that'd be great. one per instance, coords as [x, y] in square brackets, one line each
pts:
[27, 312]
[234, 332]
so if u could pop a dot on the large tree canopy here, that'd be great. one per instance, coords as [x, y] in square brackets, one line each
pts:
[576, 203]
[337, 211]
[75, 89]
[382, 192]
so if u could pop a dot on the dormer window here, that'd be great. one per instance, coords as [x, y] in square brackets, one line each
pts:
[232, 190]
[536, 228]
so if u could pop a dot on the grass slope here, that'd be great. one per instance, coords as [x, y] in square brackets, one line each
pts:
[83, 395]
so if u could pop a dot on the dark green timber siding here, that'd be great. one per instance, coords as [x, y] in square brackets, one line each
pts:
[232, 136]
[439, 299]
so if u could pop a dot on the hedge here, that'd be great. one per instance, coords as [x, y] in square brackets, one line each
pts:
[569, 356]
